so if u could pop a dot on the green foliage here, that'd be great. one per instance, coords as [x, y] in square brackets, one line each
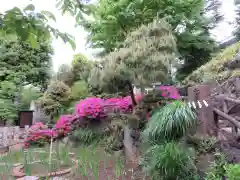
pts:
[81, 67]
[77, 8]
[28, 94]
[55, 100]
[8, 110]
[202, 144]
[217, 169]
[85, 136]
[169, 161]
[31, 26]
[171, 122]
[22, 64]
[111, 21]
[220, 168]
[214, 69]
[65, 74]
[146, 57]
[79, 90]
[233, 171]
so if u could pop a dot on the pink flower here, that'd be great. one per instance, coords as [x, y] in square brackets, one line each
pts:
[173, 93]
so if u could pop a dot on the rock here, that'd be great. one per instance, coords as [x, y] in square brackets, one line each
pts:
[17, 172]
[28, 178]
[17, 164]
[60, 178]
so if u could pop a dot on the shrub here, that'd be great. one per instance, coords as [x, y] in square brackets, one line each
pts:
[40, 138]
[217, 170]
[84, 136]
[233, 171]
[170, 161]
[79, 90]
[171, 122]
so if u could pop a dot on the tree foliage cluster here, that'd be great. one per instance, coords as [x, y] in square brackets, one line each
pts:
[54, 98]
[24, 58]
[69, 85]
[21, 65]
[31, 26]
[151, 48]
[191, 22]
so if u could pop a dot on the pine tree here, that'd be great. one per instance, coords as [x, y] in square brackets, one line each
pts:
[146, 56]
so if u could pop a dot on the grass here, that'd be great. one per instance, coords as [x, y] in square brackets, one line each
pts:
[85, 160]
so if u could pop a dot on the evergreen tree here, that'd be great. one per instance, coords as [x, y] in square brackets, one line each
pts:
[146, 56]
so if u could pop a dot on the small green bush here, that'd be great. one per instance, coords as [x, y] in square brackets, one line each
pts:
[171, 122]
[170, 161]
[217, 169]
[85, 136]
[233, 171]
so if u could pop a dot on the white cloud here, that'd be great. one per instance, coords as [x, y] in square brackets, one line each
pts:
[64, 53]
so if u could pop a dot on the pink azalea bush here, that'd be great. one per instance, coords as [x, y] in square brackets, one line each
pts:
[95, 108]
[40, 137]
[39, 134]
[64, 120]
[169, 92]
[89, 108]
[37, 126]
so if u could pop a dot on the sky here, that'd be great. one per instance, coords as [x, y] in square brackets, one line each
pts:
[64, 53]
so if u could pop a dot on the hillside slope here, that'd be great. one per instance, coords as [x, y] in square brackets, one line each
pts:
[217, 68]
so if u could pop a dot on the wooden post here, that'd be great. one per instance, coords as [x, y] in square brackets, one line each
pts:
[207, 122]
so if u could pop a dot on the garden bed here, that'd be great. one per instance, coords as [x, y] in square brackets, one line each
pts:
[71, 163]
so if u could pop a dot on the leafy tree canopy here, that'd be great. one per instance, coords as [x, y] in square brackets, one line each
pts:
[28, 94]
[22, 64]
[65, 74]
[81, 67]
[191, 20]
[31, 26]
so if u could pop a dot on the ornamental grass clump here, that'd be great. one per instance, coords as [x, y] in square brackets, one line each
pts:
[170, 161]
[165, 157]
[171, 122]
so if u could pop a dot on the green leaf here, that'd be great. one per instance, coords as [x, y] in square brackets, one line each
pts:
[49, 15]
[21, 32]
[72, 43]
[32, 40]
[29, 7]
